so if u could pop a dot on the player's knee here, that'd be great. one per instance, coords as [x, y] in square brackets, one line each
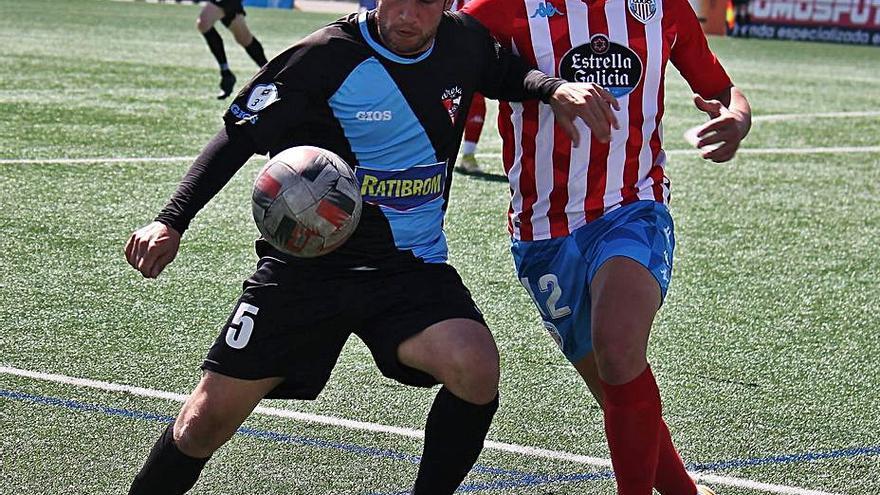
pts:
[619, 361]
[473, 373]
[199, 434]
[203, 25]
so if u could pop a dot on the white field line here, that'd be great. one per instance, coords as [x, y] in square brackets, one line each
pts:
[75, 161]
[394, 430]
[758, 151]
[803, 116]
[672, 152]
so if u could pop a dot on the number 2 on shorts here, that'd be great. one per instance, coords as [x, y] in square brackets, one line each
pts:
[239, 332]
[548, 283]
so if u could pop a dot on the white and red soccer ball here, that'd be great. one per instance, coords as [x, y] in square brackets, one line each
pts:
[306, 201]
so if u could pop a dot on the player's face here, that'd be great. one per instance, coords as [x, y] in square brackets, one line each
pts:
[408, 26]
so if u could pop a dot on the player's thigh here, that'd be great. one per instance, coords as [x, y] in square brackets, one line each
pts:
[208, 16]
[424, 322]
[555, 275]
[631, 264]
[288, 323]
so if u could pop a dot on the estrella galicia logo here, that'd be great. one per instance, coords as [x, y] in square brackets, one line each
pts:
[402, 189]
[611, 65]
[242, 116]
[546, 9]
[642, 10]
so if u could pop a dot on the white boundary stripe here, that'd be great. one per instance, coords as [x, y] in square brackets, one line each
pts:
[405, 432]
[759, 151]
[64, 161]
[800, 116]
[163, 159]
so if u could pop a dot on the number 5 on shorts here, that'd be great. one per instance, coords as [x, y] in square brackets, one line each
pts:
[239, 331]
[547, 283]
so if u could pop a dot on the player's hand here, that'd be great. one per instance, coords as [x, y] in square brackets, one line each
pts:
[151, 248]
[591, 103]
[723, 132]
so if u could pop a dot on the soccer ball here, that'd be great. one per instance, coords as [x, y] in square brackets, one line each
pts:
[306, 201]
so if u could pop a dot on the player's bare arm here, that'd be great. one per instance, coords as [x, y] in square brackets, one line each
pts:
[151, 248]
[591, 103]
[730, 120]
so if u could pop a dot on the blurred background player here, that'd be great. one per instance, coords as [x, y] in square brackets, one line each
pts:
[231, 14]
[473, 127]
[592, 237]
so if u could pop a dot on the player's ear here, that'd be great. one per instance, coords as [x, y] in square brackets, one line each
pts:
[447, 4]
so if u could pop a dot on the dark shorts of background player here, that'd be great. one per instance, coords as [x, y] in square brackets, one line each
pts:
[304, 317]
[231, 8]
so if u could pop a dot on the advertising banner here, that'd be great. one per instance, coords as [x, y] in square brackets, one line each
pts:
[837, 21]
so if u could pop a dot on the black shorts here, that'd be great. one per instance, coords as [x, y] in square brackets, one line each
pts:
[231, 8]
[292, 322]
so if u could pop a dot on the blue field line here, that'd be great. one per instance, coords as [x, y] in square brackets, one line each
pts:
[513, 479]
[786, 459]
[247, 431]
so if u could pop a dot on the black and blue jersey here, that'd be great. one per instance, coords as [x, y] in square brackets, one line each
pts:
[397, 121]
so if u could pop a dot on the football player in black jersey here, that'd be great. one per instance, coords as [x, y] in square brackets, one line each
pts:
[231, 14]
[389, 91]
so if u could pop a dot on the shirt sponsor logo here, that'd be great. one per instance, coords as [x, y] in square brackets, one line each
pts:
[642, 10]
[611, 65]
[262, 96]
[374, 116]
[402, 189]
[546, 9]
[242, 115]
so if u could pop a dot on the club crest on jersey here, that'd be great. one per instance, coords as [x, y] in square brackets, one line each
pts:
[601, 61]
[451, 100]
[642, 10]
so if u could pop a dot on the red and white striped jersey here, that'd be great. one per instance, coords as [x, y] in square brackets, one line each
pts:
[623, 45]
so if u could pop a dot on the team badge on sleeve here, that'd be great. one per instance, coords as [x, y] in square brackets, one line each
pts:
[642, 10]
[261, 97]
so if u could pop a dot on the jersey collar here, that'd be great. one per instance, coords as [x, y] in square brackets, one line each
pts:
[385, 52]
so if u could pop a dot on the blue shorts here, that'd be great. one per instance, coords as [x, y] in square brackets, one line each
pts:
[557, 272]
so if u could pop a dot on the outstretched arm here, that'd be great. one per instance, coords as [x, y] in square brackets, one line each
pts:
[151, 248]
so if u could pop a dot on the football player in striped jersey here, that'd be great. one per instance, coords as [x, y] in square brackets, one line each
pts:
[592, 237]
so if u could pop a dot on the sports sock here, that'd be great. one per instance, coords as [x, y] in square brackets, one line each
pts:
[454, 435]
[255, 50]
[468, 148]
[168, 470]
[215, 44]
[671, 477]
[632, 426]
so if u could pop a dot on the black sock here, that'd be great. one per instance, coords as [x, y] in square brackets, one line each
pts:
[454, 435]
[255, 50]
[215, 44]
[168, 471]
